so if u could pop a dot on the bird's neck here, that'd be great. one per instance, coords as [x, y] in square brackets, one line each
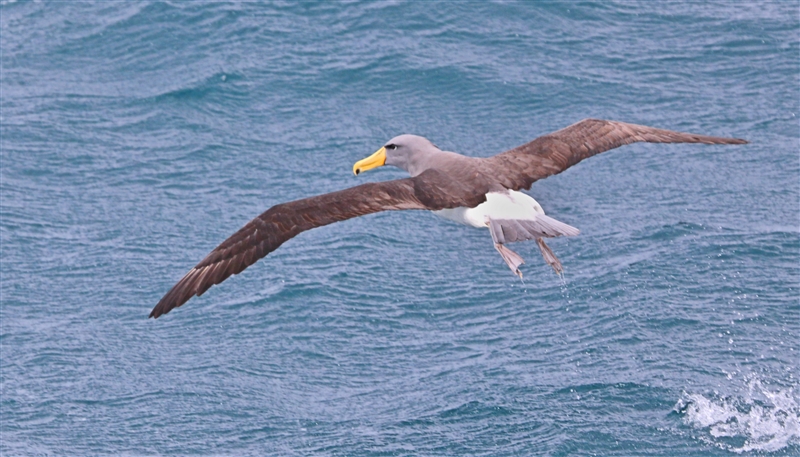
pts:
[433, 159]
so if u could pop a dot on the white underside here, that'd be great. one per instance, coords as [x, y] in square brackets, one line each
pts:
[512, 205]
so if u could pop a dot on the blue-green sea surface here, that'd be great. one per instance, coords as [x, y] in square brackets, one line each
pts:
[136, 136]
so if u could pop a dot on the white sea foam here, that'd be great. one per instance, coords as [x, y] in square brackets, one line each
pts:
[763, 419]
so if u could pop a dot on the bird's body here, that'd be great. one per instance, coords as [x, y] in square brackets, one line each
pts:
[510, 204]
[479, 192]
[510, 216]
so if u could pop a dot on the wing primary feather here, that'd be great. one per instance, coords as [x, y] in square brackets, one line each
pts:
[282, 222]
[553, 153]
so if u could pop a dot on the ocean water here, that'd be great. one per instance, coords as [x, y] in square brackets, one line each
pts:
[136, 136]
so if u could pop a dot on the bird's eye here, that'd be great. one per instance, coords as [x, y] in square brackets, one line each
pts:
[391, 146]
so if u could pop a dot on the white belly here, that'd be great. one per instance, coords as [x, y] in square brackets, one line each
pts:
[505, 205]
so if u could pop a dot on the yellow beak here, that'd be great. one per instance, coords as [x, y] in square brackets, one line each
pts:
[374, 161]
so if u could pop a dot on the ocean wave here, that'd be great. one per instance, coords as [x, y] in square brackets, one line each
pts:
[765, 418]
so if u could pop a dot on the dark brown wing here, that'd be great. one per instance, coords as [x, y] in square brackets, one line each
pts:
[430, 190]
[553, 153]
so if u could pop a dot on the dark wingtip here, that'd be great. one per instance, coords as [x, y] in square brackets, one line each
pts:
[160, 309]
[734, 141]
[721, 140]
[176, 296]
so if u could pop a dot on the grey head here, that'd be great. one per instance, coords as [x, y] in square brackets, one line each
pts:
[411, 153]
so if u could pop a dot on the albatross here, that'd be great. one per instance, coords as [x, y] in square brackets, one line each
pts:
[480, 192]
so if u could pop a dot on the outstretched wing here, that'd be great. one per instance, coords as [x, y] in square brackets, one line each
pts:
[265, 233]
[553, 153]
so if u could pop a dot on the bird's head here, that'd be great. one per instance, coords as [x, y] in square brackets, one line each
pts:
[405, 151]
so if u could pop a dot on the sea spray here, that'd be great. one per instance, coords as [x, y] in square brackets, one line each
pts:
[763, 419]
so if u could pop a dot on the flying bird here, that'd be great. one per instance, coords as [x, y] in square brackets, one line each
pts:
[481, 192]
